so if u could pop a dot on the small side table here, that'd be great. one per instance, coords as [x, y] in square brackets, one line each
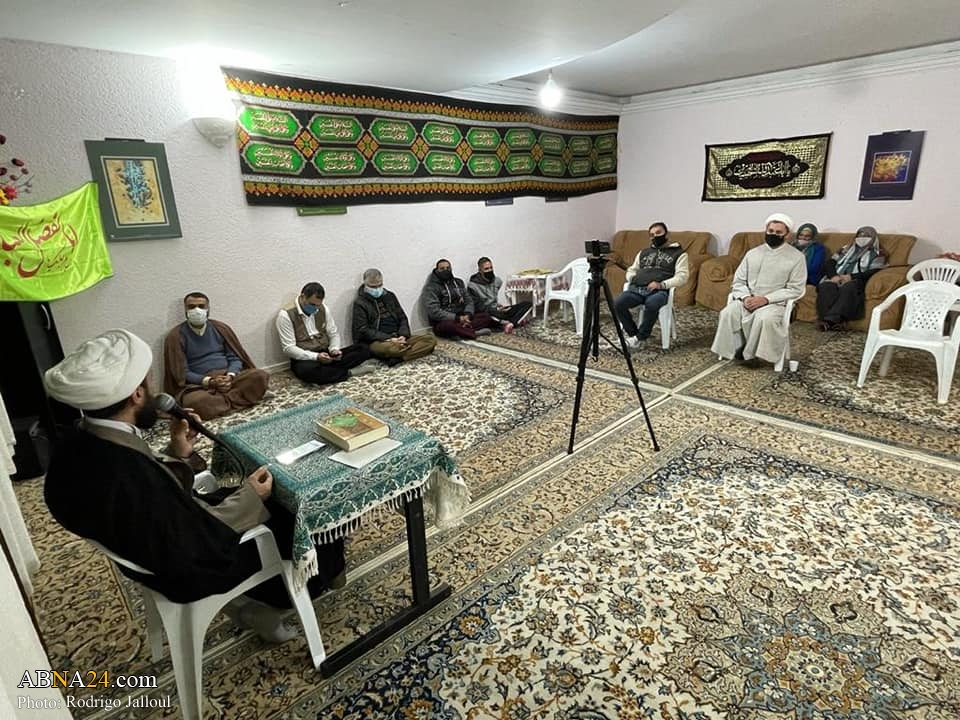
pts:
[534, 284]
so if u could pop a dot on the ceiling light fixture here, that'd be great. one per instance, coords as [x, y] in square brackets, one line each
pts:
[550, 93]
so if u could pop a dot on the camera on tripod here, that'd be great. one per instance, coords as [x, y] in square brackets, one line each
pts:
[596, 248]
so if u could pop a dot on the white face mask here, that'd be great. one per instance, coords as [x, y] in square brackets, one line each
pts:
[863, 240]
[197, 317]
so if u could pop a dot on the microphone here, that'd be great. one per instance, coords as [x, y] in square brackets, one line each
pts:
[166, 404]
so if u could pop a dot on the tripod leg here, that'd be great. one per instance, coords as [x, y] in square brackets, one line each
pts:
[589, 328]
[626, 353]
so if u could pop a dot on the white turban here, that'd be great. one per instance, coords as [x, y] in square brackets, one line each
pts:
[101, 372]
[780, 218]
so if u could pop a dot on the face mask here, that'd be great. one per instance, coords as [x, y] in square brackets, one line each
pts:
[863, 241]
[444, 274]
[773, 240]
[197, 316]
[487, 275]
[658, 240]
[373, 291]
[309, 309]
[802, 242]
[146, 415]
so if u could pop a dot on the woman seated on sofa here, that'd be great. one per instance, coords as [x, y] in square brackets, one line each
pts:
[840, 293]
[813, 251]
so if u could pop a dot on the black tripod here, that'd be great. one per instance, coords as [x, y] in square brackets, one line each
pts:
[591, 339]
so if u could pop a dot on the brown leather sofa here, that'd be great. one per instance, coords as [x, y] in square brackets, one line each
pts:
[716, 276]
[627, 243]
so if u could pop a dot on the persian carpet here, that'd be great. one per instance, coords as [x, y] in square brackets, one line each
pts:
[900, 408]
[688, 355]
[742, 572]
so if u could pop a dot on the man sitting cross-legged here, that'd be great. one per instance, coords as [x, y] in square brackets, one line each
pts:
[310, 339]
[379, 321]
[206, 367]
[484, 287]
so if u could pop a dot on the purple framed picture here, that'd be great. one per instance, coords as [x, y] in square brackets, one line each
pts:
[890, 166]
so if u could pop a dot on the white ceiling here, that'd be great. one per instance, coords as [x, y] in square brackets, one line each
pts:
[616, 48]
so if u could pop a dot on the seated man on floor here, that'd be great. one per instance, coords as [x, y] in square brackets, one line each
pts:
[484, 288]
[654, 271]
[379, 321]
[106, 484]
[449, 306]
[206, 368]
[309, 337]
[751, 325]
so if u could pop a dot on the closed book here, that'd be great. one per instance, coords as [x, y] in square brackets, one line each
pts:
[351, 428]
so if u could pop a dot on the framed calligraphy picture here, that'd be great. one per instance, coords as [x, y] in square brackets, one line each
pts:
[136, 196]
[890, 165]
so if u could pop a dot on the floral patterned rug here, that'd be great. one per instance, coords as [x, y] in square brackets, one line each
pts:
[742, 572]
[900, 408]
[687, 356]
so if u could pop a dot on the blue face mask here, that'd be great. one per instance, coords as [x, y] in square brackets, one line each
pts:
[309, 309]
[373, 291]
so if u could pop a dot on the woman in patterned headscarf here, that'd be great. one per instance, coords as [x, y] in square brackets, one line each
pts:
[840, 294]
[813, 251]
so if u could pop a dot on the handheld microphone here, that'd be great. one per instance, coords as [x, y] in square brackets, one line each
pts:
[166, 404]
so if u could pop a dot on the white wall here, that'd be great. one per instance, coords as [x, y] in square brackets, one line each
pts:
[662, 157]
[249, 260]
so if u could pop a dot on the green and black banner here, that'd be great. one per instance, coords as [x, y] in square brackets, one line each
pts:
[304, 142]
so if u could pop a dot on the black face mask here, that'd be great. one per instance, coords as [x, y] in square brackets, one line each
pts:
[444, 275]
[658, 240]
[146, 416]
[487, 275]
[774, 240]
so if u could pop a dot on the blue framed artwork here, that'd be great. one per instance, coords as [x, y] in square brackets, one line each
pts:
[890, 165]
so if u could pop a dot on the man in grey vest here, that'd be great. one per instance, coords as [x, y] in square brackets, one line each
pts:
[655, 270]
[310, 339]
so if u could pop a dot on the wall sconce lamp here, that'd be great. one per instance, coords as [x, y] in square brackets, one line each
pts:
[550, 93]
[217, 130]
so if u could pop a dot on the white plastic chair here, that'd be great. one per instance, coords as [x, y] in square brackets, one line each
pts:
[666, 319]
[186, 624]
[942, 269]
[927, 303]
[575, 293]
[787, 317]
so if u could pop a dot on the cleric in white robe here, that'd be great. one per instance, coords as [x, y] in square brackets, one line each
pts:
[751, 325]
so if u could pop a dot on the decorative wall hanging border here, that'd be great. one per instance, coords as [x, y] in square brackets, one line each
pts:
[304, 142]
[775, 169]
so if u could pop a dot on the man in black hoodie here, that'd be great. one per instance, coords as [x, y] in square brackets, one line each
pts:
[449, 306]
[380, 322]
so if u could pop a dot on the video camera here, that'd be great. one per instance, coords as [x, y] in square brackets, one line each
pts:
[596, 248]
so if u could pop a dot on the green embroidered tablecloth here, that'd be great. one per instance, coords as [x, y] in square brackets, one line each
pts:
[329, 499]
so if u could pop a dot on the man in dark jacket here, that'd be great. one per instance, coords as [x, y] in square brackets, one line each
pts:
[106, 484]
[449, 306]
[380, 322]
[655, 270]
[485, 287]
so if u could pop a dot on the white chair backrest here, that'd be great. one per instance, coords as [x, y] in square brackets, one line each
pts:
[117, 559]
[927, 304]
[940, 269]
[580, 272]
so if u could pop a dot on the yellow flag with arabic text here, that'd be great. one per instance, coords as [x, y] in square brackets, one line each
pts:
[53, 249]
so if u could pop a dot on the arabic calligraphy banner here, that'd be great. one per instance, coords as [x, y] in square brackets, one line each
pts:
[53, 249]
[304, 142]
[776, 169]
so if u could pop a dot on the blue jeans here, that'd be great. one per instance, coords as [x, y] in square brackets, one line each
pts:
[652, 301]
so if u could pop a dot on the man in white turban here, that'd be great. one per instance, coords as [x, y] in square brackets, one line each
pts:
[752, 323]
[106, 484]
